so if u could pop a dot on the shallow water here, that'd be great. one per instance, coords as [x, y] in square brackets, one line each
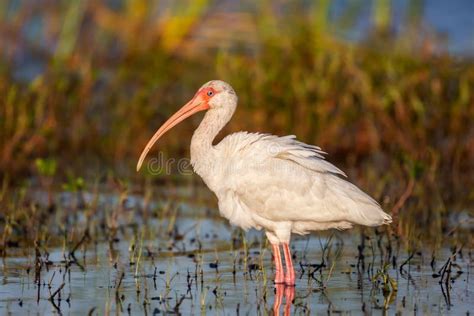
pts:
[205, 266]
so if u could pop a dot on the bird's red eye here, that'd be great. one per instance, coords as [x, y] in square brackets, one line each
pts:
[210, 93]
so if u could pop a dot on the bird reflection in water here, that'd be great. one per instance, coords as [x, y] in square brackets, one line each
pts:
[289, 293]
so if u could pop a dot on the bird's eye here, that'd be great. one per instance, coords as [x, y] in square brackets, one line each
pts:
[210, 93]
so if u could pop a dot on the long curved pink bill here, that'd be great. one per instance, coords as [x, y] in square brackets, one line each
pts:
[190, 108]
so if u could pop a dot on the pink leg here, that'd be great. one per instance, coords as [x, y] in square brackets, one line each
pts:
[279, 275]
[290, 270]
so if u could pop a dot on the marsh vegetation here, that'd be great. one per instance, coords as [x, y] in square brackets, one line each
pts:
[83, 85]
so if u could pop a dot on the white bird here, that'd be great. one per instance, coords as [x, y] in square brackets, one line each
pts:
[263, 181]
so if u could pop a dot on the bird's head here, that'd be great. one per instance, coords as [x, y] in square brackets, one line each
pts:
[215, 96]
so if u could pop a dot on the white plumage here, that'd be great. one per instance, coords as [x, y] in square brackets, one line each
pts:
[285, 186]
[263, 181]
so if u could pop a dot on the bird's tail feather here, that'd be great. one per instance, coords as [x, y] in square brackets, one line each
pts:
[360, 207]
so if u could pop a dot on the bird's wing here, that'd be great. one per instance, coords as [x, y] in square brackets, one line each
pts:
[266, 146]
[282, 179]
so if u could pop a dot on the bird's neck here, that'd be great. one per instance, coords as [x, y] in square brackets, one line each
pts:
[202, 150]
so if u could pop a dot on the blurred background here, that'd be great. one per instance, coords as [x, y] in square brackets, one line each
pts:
[385, 87]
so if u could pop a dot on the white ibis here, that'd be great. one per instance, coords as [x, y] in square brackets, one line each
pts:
[263, 181]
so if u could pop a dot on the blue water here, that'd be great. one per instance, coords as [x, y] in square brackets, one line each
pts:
[213, 268]
[162, 279]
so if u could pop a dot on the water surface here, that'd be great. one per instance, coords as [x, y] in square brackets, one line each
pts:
[191, 261]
